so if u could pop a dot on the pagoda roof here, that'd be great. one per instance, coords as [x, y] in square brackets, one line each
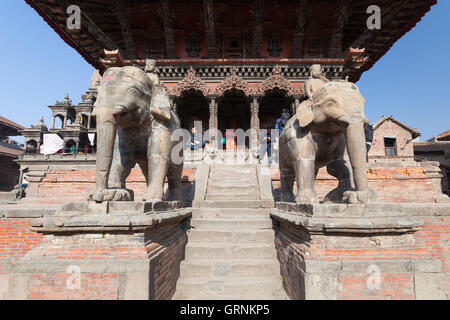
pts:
[10, 150]
[9, 128]
[158, 30]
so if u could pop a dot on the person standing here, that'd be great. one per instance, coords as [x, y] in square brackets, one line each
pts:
[281, 122]
[266, 144]
[196, 140]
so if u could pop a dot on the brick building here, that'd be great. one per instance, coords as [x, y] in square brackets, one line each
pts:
[393, 139]
[437, 149]
[9, 151]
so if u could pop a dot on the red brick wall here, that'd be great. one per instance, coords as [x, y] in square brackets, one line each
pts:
[166, 253]
[435, 236]
[60, 186]
[160, 250]
[98, 286]
[398, 184]
[395, 286]
[16, 240]
[395, 184]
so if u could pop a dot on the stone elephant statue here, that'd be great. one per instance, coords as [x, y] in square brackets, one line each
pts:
[133, 107]
[324, 127]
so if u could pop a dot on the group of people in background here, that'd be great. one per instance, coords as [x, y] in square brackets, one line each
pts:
[197, 142]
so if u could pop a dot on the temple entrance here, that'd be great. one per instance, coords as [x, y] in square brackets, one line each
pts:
[234, 113]
[270, 107]
[193, 106]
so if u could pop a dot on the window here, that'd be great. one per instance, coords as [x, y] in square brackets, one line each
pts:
[390, 147]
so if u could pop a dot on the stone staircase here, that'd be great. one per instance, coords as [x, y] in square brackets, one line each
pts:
[230, 253]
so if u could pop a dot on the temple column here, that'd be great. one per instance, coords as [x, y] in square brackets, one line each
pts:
[53, 122]
[213, 121]
[89, 121]
[254, 122]
[295, 103]
[65, 122]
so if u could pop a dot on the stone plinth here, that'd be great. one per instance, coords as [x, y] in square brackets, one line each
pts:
[373, 251]
[367, 219]
[112, 250]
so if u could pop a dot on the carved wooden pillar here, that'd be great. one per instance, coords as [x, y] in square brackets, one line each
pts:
[213, 121]
[295, 103]
[258, 21]
[167, 17]
[254, 121]
[210, 35]
[340, 17]
[299, 35]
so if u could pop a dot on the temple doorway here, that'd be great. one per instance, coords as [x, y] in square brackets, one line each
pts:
[234, 113]
[270, 108]
[193, 106]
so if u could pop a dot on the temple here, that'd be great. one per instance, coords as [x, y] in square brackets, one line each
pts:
[228, 65]
[232, 65]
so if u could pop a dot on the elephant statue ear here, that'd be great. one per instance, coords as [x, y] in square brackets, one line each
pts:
[305, 113]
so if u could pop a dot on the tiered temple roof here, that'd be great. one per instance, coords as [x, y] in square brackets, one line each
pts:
[221, 31]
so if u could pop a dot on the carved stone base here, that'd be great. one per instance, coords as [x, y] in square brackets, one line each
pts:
[110, 216]
[347, 218]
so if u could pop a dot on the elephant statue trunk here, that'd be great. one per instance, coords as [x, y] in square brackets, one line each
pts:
[355, 142]
[106, 135]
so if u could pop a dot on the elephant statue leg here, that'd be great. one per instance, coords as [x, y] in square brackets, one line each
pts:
[158, 153]
[340, 170]
[121, 167]
[287, 177]
[173, 179]
[305, 170]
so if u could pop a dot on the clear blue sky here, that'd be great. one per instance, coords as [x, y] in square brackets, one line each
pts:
[411, 82]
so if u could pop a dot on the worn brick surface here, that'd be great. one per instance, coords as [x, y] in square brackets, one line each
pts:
[348, 257]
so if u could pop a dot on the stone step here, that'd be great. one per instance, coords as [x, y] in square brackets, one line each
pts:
[228, 236]
[231, 224]
[253, 296]
[239, 188]
[240, 180]
[230, 251]
[230, 213]
[190, 288]
[229, 268]
[6, 196]
[225, 184]
[237, 173]
[230, 204]
[232, 196]
[233, 169]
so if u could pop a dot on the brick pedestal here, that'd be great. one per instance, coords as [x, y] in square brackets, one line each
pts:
[107, 251]
[348, 252]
